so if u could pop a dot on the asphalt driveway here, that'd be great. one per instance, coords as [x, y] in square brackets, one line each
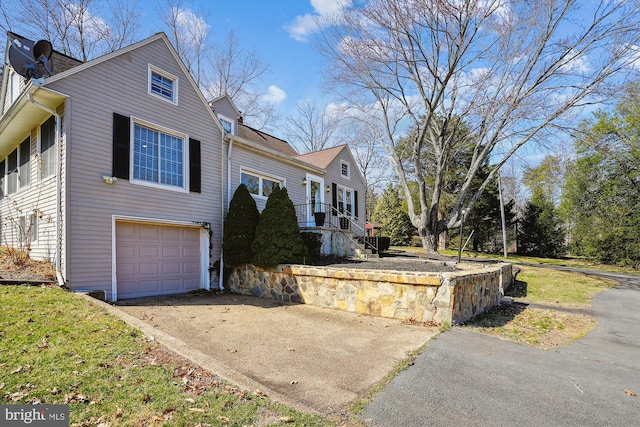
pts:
[315, 359]
[465, 378]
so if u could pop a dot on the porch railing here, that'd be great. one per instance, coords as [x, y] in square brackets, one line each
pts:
[330, 217]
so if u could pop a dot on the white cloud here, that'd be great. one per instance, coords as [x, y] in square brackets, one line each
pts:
[275, 95]
[305, 25]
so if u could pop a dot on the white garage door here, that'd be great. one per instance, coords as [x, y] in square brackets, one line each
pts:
[154, 259]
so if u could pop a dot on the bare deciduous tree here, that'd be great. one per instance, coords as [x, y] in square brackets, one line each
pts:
[313, 128]
[239, 74]
[514, 72]
[189, 33]
[83, 29]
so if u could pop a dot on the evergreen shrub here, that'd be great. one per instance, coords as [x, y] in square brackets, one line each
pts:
[277, 238]
[240, 227]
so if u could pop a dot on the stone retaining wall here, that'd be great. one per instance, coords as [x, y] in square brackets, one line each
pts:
[422, 297]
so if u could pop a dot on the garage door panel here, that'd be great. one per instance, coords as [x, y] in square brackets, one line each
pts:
[171, 268]
[171, 233]
[190, 251]
[149, 232]
[149, 287]
[191, 268]
[127, 269]
[175, 285]
[154, 259]
[149, 251]
[172, 251]
[149, 268]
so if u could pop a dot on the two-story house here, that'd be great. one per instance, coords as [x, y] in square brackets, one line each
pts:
[119, 172]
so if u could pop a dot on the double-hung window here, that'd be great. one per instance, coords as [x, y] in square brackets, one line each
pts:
[24, 168]
[158, 156]
[258, 184]
[17, 174]
[47, 148]
[345, 201]
[163, 84]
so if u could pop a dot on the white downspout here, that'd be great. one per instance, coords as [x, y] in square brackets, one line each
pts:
[224, 210]
[58, 133]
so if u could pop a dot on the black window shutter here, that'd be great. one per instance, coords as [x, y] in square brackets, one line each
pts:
[334, 198]
[121, 146]
[194, 166]
[355, 204]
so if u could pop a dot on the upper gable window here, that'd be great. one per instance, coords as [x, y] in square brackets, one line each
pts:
[163, 84]
[227, 124]
[345, 169]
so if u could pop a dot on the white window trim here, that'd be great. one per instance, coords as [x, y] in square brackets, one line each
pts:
[261, 176]
[348, 175]
[14, 85]
[39, 153]
[154, 69]
[185, 159]
[343, 189]
[233, 122]
[19, 189]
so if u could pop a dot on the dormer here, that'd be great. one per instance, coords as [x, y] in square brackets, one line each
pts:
[227, 114]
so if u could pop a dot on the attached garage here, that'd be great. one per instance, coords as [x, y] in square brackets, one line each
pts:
[156, 259]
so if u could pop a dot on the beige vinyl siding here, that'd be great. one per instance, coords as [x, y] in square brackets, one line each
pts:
[354, 182]
[120, 85]
[243, 158]
[38, 198]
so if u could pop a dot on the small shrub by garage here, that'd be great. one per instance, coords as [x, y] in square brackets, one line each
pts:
[240, 227]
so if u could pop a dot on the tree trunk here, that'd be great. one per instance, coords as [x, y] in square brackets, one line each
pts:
[429, 241]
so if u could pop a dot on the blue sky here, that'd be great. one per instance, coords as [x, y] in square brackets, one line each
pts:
[277, 30]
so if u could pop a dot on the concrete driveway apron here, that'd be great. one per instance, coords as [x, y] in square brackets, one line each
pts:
[465, 378]
[315, 359]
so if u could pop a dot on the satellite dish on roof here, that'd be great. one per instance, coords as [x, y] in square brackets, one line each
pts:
[31, 60]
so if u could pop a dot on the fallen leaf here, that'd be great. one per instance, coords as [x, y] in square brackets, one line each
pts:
[223, 419]
[286, 419]
[14, 397]
[190, 400]
[630, 393]
[17, 370]
[199, 410]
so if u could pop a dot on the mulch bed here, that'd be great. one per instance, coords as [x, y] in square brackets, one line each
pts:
[31, 272]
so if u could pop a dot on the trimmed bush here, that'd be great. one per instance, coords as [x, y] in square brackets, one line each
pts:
[240, 227]
[313, 242]
[278, 239]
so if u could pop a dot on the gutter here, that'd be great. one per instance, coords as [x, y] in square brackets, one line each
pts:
[58, 133]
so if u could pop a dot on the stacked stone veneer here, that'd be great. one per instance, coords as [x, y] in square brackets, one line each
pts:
[422, 297]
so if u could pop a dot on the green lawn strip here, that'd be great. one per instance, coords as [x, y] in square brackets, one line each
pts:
[518, 259]
[544, 328]
[546, 286]
[56, 348]
[561, 262]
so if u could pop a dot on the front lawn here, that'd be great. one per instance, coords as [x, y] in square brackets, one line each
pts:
[556, 324]
[57, 348]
